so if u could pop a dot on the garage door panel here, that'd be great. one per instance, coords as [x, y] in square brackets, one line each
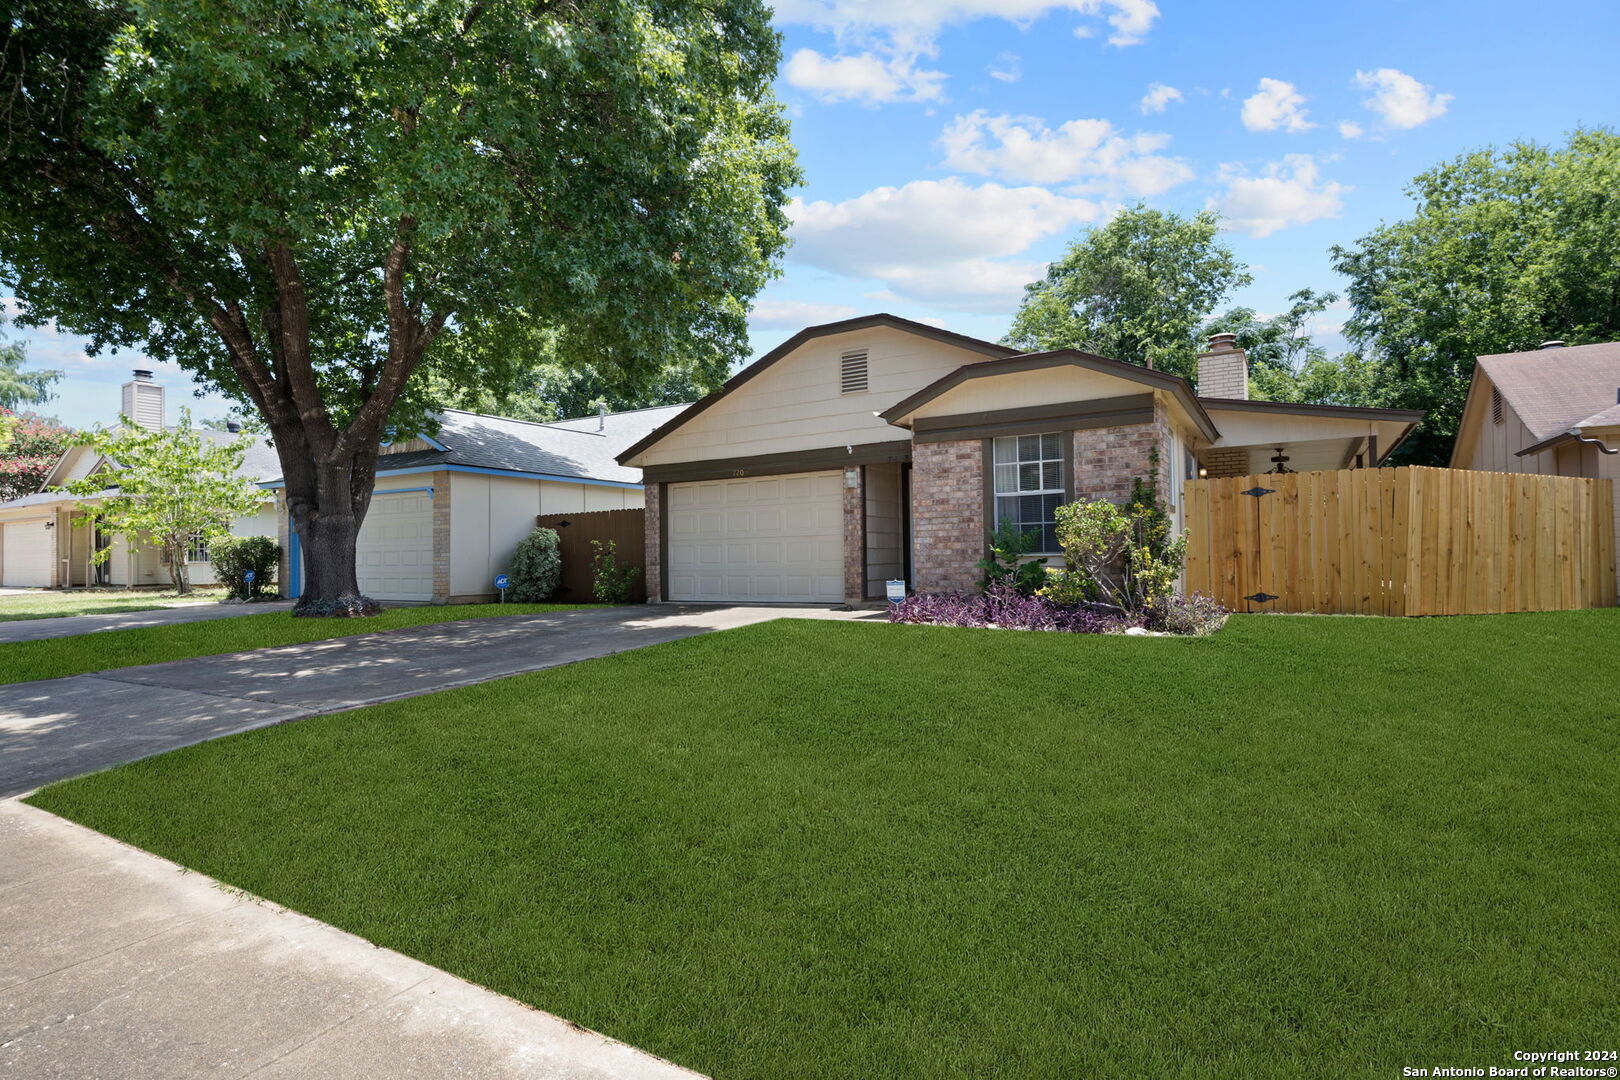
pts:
[27, 551]
[763, 539]
[395, 547]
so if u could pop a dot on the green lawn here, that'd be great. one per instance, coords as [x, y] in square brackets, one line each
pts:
[55, 657]
[51, 604]
[801, 850]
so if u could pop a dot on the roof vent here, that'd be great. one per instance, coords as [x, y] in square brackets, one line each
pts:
[1496, 405]
[852, 372]
[1553, 344]
[601, 415]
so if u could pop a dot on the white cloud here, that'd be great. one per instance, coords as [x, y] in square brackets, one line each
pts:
[866, 77]
[1092, 154]
[943, 242]
[1287, 192]
[1158, 97]
[1008, 68]
[1276, 105]
[1349, 129]
[796, 314]
[1400, 100]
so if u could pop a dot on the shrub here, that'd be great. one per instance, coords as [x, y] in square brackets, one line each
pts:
[234, 556]
[536, 568]
[1002, 606]
[1005, 563]
[1122, 556]
[610, 582]
[1194, 615]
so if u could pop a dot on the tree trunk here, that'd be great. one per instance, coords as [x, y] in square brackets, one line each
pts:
[325, 517]
[177, 569]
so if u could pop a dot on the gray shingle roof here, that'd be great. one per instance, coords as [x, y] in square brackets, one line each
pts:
[1554, 390]
[567, 448]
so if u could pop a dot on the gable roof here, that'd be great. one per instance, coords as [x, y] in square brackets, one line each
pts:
[810, 333]
[1554, 390]
[571, 449]
[259, 458]
[1158, 380]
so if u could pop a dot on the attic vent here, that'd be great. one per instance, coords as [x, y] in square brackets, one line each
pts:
[1496, 405]
[852, 372]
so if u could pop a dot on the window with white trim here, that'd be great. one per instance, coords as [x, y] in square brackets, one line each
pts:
[197, 550]
[1029, 485]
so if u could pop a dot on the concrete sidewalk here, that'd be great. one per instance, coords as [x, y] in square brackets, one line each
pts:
[115, 963]
[57, 728]
[68, 625]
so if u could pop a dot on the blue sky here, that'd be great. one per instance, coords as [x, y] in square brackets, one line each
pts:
[953, 147]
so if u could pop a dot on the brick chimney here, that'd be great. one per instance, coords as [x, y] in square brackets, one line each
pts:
[143, 401]
[1223, 371]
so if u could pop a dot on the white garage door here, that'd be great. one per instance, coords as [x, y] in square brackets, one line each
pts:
[394, 552]
[29, 549]
[771, 538]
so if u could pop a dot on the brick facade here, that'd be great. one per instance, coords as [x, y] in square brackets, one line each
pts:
[1108, 460]
[854, 535]
[652, 563]
[1223, 461]
[947, 514]
[441, 537]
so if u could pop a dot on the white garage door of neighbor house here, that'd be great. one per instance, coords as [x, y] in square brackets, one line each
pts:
[394, 552]
[770, 538]
[29, 548]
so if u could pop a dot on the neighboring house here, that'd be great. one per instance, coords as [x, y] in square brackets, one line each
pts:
[449, 509]
[41, 547]
[1553, 410]
[879, 448]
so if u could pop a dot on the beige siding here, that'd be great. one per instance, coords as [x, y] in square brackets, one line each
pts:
[490, 514]
[1018, 389]
[795, 404]
[884, 544]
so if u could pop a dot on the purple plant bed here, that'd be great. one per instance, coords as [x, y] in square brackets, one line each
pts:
[1004, 607]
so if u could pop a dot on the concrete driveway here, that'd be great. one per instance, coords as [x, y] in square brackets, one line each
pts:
[57, 728]
[68, 625]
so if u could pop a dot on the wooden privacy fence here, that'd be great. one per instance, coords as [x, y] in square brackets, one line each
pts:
[574, 534]
[1407, 541]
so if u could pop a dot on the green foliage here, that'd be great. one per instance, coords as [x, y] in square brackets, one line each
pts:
[17, 386]
[1507, 248]
[330, 211]
[234, 556]
[610, 582]
[1280, 348]
[1005, 561]
[1135, 289]
[164, 488]
[536, 568]
[1122, 556]
[33, 446]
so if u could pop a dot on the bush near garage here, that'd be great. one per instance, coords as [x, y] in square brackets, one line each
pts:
[536, 568]
[234, 556]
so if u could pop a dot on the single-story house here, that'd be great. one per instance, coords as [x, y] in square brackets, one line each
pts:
[879, 448]
[450, 508]
[40, 546]
[1554, 410]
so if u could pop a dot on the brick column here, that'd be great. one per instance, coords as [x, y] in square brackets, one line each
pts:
[947, 515]
[854, 534]
[653, 570]
[441, 537]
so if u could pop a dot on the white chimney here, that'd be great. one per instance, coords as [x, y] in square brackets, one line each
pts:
[143, 401]
[1223, 371]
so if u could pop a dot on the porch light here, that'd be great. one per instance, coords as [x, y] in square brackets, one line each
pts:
[1203, 473]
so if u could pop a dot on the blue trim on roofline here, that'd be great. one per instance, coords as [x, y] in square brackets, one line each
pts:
[400, 491]
[490, 472]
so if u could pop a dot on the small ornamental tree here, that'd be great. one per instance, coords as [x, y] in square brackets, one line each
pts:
[166, 489]
[1121, 556]
[32, 446]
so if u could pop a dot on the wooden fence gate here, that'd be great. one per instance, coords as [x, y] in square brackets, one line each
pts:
[1407, 541]
[575, 532]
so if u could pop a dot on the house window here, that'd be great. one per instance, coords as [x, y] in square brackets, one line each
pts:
[1029, 484]
[197, 550]
[852, 372]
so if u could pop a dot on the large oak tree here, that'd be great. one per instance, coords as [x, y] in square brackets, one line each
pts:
[307, 203]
